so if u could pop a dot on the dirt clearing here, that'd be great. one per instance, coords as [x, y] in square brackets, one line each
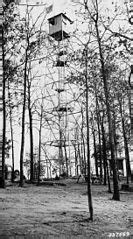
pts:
[62, 212]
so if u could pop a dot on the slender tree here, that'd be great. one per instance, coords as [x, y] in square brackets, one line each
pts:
[95, 19]
[40, 140]
[2, 184]
[30, 126]
[88, 138]
[128, 169]
[11, 128]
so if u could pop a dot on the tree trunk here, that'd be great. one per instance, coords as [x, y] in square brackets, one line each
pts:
[104, 154]
[76, 159]
[12, 143]
[2, 176]
[11, 128]
[31, 134]
[31, 147]
[128, 169]
[108, 178]
[88, 143]
[99, 138]
[99, 133]
[65, 151]
[83, 141]
[23, 123]
[115, 136]
[95, 152]
[40, 141]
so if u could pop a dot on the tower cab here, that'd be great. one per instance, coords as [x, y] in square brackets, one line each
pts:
[59, 27]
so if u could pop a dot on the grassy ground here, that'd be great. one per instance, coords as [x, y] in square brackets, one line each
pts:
[62, 212]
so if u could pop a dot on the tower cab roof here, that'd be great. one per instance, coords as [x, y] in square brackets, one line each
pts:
[59, 15]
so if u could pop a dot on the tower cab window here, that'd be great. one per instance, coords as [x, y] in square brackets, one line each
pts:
[53, 21]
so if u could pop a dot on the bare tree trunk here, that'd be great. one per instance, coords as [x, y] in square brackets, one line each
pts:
[78, 150]
[99, 134]
[108, 177]
[23, 123]
[12, 146]
[115, 136]
[31, 133]
[104, 153]
[40, 141]
[2, 179]
[11, 128]
[95, 152]
[66, 157]
[88, 143]
[83, 140]
[100, 148]
[76, 159]
[31, 147]
[128, 169]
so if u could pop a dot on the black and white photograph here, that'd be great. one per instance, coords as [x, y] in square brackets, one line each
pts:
[66, 119]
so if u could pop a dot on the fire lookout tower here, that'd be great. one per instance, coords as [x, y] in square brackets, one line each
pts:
[59, 27]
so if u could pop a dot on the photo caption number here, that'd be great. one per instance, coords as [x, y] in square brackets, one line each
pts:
[118, 234]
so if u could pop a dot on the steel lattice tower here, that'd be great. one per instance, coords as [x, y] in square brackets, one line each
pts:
[58, 29]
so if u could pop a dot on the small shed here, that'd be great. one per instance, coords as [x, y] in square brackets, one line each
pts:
[59, 26]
